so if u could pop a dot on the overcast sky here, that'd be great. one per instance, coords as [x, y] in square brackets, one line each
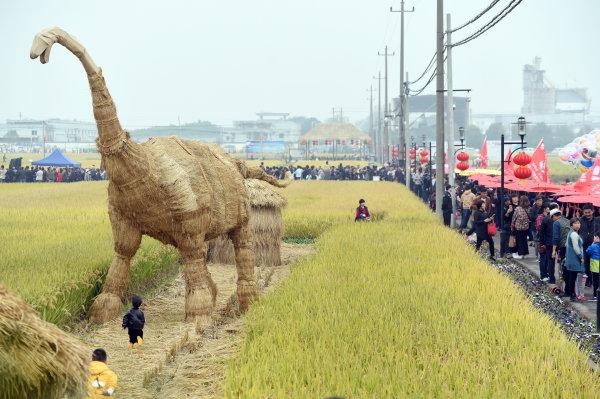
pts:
[226, 60]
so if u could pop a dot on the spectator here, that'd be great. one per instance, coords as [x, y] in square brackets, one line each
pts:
[447, 205]
[574, 263]
[546, 230]
[362, 212]
[2, 173]
[593, 252]
[480, 224]
[466, 199]
[542, 248]
[520, 221]
[39, 175]
[590, 226]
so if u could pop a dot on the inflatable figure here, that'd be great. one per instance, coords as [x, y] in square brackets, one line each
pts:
[179, 192]
[582, 151]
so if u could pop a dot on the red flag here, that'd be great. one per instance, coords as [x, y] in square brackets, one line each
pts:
[539, 164]
[508, 167]
[589, 182]
[483, 154]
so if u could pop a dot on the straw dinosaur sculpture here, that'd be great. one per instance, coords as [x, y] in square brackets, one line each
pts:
[179, 192]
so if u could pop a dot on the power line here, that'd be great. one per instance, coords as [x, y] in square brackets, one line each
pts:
[476, 17]
[499, 17]
[427, 68]
[433, 75]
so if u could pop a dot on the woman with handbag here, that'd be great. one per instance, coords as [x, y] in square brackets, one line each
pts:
[480, 226]
[520, 226]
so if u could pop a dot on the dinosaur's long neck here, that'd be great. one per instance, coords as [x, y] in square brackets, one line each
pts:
[123, 160]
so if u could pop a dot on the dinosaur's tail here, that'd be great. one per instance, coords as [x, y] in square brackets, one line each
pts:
[254, 172]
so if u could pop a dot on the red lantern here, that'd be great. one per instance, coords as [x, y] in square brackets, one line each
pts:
[424, 159]
[462, 156]
[424, 153]
[522, 159]
[522, 172]
[412, 151]
[395, 152]
[413, 155]
[462, 165]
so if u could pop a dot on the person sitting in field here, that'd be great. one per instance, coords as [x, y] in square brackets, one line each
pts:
[362, 212]
[102, 381]
[134, 322]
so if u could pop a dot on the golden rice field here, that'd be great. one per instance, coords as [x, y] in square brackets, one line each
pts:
[56, 246]
[57, 242]
[402, 308]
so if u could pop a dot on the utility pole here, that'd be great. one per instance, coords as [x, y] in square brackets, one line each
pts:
[450, 138]
[439, 137]
[406, 141]
[386, 137]
[341, 114]
[401, 98]
[333, 114]
[371, 133]
[378, 133]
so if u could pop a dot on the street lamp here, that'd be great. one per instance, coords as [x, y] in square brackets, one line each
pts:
[521, 125]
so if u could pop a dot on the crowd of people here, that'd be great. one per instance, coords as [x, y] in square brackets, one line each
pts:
[339, 172]
[35, 174]
[564, 238]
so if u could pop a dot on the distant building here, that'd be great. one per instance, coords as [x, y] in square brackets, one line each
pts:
[540, 97]
[33, 134]
[271, 132]
[422, 108]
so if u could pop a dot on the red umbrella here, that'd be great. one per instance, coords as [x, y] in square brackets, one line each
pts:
[580, 199]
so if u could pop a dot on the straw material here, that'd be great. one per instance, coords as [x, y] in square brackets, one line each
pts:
[37, 359]
[179, 192]
[266, 226]
[335, 131]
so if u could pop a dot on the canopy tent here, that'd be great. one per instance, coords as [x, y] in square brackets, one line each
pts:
[56, 159]
[345, 133]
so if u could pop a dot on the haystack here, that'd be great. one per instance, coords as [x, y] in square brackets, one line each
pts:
[37, 359]
[266, 226]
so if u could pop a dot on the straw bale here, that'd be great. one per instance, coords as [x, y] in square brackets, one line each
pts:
[266, 225]
[37, 359]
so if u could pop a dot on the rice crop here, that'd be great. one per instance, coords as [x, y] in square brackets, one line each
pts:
[56, 246]
[402, 308]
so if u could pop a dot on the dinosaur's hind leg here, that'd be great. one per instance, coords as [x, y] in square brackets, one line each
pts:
[200, 290]
[244, 261]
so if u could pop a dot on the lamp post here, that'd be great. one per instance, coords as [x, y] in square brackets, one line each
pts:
[521, 125]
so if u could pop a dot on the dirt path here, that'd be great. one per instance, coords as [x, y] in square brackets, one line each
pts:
[177, 361]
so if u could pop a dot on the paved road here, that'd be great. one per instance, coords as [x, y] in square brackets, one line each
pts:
[586, 309]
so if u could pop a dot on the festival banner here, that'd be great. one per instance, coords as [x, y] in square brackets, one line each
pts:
[483, 154]
[539, 164]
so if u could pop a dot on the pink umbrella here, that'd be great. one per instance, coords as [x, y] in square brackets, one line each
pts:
[579, 199]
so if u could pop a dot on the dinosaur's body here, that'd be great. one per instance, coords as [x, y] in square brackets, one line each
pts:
[180, 192]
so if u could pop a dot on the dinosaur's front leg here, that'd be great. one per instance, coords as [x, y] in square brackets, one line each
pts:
[200, 290]
[244, 261]
[127, 241]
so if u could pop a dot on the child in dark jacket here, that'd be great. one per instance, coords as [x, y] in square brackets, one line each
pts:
[593, 252]
[134, 321]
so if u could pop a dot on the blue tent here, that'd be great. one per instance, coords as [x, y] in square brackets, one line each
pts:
[56, 159]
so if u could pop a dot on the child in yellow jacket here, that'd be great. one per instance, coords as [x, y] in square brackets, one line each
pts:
[102, 381]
